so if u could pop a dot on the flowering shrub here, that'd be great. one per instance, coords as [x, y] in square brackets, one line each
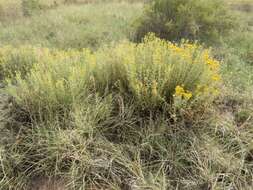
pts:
[150, 74]
[155, 71]
[53, 84]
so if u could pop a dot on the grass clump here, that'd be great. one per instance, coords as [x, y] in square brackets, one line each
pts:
[10, 10]
[202, 20]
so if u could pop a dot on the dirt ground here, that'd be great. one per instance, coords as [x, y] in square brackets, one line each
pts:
[47, 184]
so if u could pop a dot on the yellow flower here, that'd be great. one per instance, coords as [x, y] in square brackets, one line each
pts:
[216, 77]
[157, 56]
[206, 55]
[213, 64]
[93, 59]
[179, 91]
[187, 95]
[216, 92]
[154, 88]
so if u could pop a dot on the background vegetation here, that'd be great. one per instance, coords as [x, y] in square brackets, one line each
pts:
[82, 106]
[191, 19]
[71, 25]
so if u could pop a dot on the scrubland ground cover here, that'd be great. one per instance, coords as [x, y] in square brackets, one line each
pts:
[90, 99]
[72, 26]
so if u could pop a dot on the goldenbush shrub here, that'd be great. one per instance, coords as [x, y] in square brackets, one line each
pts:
[151, 74]
[53, 84]
[155, 71]
[202, 20]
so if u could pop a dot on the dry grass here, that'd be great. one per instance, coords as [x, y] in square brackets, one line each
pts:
[10, 10]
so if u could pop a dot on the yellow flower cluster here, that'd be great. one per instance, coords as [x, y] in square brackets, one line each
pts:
[154, 65]
[181, 92]
[149, 70]
[184, 52]
[216, 77]
[212, 63]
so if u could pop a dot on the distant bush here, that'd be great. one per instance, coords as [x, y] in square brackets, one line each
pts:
[150, 74]
[202, 20]
[30, 6]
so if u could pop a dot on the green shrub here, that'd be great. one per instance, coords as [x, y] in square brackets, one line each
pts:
[30, 6]
[191, 19]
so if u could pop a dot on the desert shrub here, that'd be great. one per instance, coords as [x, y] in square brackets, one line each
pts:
[151, 74]
[192, 19]
[154, 72]
[53, 85]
